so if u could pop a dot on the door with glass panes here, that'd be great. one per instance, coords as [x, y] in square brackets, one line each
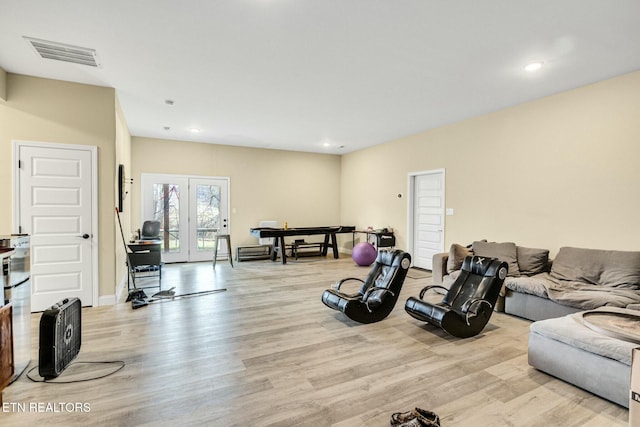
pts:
[191, 211]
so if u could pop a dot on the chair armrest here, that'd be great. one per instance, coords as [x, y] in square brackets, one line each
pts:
[376, 288]
[427, 288]
[371, 289]
[439, 267]
[467, 308]
[339, 283]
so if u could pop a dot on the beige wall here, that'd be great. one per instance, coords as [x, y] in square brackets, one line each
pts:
[122, 156]
[558, 171]
[3, 85]
[300, 188]
[54, 111]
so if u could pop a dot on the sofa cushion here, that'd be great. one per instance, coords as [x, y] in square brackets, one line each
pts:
[599, 267]
[572, 331]
[506, 252]
[532, 261]
[457, 254]
[585, 296]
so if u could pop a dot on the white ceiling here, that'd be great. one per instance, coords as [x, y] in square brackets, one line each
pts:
[295, 74]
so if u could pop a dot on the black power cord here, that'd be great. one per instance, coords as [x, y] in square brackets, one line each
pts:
[120, 364]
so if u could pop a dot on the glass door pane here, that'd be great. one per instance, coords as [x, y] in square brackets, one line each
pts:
[165, 198]
[166, 202]
[208, 216]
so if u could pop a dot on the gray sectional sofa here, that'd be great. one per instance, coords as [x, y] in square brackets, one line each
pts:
[567, 349]
[537, 288]
[555, 295]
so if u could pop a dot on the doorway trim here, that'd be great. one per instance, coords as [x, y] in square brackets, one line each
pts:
[411, 203]
[15, 226]
[147, 177]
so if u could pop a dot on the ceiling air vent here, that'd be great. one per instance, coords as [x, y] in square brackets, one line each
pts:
[64, 52]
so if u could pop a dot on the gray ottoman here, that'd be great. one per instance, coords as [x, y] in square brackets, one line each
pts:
[567, 349]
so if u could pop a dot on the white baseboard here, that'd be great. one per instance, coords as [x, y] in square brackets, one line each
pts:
[106, 300]
[122, 290]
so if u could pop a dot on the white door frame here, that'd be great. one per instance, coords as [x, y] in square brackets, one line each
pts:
[15, 226]
[145, 178]
[411, 203]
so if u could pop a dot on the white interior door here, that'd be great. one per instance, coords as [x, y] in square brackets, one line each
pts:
[428, 217]
[56, 204]
[191, 210]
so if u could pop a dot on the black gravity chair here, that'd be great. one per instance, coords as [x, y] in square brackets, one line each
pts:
[378, 292]
[466, 308]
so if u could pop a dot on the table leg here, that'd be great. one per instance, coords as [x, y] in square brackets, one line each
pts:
[228, 238]
[325, 246]
[215, 251]
[334, 243]
[283, 253]
[274, 251]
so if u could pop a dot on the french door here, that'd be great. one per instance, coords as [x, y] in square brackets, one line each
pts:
[191, 211]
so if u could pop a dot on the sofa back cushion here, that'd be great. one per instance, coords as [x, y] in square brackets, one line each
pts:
[532, 261]
[457, 254]
[598, 266]
[503, 251]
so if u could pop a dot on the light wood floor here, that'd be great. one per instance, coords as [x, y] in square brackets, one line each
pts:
[267, 352]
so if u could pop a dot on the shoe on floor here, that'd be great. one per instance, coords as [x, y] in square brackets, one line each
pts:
[400, 418]
[415, 418]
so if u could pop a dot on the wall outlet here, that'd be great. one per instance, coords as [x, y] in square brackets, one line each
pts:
[449, 211]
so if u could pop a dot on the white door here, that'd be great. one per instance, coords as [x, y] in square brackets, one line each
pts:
[55, 188]
[191, 210]
[208, 215]
[166, 198]
[428, 217]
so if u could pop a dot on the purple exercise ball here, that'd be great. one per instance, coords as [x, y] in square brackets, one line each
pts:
[364, 254]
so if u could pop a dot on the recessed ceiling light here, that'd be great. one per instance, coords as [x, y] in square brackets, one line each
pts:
[194, 130]
[168, 101]
[533, 66]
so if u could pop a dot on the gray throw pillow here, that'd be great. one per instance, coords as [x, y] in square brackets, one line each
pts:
[532, 261]
[506, 252]
[457, 254]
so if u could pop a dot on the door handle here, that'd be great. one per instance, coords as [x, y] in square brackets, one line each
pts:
[85, 236]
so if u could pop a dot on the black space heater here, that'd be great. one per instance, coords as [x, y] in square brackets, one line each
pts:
[60, 336]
